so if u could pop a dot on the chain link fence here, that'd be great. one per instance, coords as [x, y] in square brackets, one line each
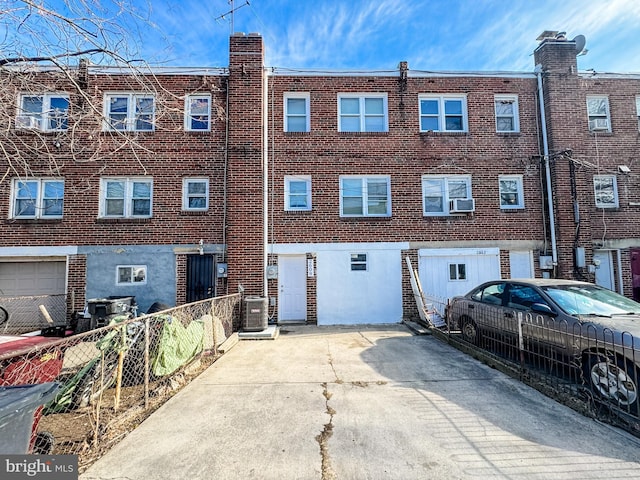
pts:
[29, 313]
[111, 378]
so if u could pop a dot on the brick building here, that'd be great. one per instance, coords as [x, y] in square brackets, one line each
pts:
[311, 188]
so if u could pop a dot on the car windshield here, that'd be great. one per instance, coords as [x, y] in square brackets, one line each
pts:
[590, 300]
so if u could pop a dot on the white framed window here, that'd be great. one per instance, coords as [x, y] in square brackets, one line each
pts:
[362, 112]
[48, 112]
[511, 192]
[129, 112]
[195, 194]
[297, 192]
[606, 191]
[358, 262]
[197, 113]
[125, 197]
[457, 272]
[507, 117]
[365, 196]
[37, 198]
[638, 110]
[439, 191]
[296, 112]
[443, 113]
[131, 275]
[598, 112]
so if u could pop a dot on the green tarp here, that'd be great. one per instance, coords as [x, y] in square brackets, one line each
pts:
[177, 345]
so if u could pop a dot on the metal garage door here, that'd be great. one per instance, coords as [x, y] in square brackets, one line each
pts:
[24, 286]
[445, 273]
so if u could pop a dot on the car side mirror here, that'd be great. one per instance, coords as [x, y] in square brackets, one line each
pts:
[543, 308]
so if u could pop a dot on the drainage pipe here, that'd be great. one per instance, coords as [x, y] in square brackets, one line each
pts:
[547, 169]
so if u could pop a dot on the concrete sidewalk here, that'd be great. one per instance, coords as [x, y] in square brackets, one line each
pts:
[366, 402]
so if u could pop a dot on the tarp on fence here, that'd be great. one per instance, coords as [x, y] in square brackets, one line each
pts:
[177, 346]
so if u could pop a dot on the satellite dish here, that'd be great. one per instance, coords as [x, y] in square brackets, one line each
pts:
[580, 41]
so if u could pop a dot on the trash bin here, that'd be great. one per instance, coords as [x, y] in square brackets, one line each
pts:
[102, 310]
[18, 406]
[255, 314]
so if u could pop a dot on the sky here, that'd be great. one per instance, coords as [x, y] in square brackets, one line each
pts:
[434, 35]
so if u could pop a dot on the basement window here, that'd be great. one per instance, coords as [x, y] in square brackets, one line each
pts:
[457, 271]
[131, 275]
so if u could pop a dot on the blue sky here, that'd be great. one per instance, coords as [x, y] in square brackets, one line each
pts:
[441, 35]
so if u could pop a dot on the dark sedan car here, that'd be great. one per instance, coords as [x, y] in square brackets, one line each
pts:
[597, 329]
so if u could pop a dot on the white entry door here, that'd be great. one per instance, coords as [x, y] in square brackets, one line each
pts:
[292, 288]
[604, 269]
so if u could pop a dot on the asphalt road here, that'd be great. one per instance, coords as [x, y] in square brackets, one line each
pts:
[367, 402]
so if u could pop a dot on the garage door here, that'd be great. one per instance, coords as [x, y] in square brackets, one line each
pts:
[445, 273]
[32, 278]
[24, 287]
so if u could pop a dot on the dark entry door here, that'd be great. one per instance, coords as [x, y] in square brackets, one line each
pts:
[635, 273]
[201, 278]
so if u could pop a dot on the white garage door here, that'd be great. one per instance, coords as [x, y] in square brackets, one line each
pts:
[32, 278]
[445, 273]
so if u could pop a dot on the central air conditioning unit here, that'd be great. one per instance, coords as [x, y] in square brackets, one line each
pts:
[255, 314]
[27, 122]
[599, 124]
[462, 205]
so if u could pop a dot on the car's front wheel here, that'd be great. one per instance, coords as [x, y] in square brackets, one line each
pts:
[614, 379]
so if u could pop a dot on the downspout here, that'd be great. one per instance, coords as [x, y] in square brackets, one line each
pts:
[265, 180]
[547, 170]
[224, 181]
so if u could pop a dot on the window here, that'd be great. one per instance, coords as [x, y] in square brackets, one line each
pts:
[131, 275]
[511, 192]
[37, 198]
[297, 193]
[365, 196]
[195, 194]
[296, 112]
[507, 113]
[598, 111]
[443, 113]
[358, 262]
[606, 191]
[198, 113]
[438, 192]
[129, 111]
[362, 113]
[47, 112]
[457, 271]
[638, 110]
[125, 197]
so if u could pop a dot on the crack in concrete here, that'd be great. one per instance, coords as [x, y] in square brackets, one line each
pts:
[324, 436]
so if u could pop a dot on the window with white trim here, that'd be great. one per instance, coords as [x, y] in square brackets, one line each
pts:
[507, 118]
[296, 112]
[457, 271]
[37, 198]
[511, 192]
[438, 191]
[48, 112]
[362, 112]
[131, 274]
[125, 197]
[638, 110]
[195, 194]
[197, 116]
[443, 113]
[358, 262]
[129, 112]
[365, 196]
[598, 112]
[606, 191]
[297, 192]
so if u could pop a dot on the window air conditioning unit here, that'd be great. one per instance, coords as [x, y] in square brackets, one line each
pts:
[599, 124]
[27, 122]
[462, 205]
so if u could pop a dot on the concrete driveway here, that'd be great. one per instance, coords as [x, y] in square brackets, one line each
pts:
[366, 402]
